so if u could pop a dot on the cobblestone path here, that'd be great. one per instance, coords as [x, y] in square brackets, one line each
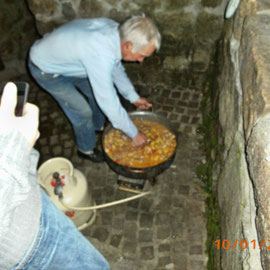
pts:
[163, 230]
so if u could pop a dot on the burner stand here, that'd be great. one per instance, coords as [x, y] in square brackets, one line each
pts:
[133, 185]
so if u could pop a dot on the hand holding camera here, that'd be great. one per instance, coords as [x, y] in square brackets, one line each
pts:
[27, 123]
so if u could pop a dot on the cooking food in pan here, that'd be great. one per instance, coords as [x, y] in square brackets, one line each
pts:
[161, 144]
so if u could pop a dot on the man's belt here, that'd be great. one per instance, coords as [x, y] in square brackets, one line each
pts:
[42, 72]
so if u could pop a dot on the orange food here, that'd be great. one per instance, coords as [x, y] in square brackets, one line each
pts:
[161, 145]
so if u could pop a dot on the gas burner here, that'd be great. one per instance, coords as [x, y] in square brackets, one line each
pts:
[133, 185]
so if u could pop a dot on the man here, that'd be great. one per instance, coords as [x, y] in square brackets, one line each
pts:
[79, 64]
[34, 233]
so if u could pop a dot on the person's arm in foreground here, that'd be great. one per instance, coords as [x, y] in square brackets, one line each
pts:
[18, 183]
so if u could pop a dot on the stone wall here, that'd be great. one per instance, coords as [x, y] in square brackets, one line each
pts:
[189, 29]
[17, 31]
[242, 175]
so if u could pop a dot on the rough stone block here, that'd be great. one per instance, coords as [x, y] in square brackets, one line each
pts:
[101, 234]
[147, 253]
[211, 3]
[115, 240]
[129, 249]
[163, 232]
[131, 216]
[163, 261]
[180, 247]
[106, 217]
[164, 248]
[195, 250]
[145, 236]
[146, 220]
[130, 232]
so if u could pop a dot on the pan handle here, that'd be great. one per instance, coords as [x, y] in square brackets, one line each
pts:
[151, 109]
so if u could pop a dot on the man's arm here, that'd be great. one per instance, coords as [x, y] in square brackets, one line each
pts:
[101, 79]
[126, 88]
[123, 83]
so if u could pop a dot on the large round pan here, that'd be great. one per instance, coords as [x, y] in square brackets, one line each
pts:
[148, 172]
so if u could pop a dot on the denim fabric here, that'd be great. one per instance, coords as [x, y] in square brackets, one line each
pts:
[75, 97]
[60, 245]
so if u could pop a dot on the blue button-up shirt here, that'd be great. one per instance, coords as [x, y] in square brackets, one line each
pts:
[90, 48]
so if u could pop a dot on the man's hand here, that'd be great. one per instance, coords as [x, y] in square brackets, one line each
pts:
[26, 124]
[139, 140]
[142, 104]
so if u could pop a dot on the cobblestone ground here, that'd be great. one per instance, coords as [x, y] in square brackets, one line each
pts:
[163, 230]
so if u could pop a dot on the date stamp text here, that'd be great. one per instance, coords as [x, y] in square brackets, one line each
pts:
[243, 244]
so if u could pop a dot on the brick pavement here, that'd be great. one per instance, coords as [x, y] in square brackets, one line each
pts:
[164, 230]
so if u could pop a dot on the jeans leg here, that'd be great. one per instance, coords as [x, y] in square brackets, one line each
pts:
[61, 245]
[72, 103]
[86, 88]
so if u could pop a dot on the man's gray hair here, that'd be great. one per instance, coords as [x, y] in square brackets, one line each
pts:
[140, 31]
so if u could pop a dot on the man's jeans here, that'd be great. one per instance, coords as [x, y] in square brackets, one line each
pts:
[60, 246]
[75, 97]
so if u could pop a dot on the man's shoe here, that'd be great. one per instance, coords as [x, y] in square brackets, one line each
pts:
[95, 156]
